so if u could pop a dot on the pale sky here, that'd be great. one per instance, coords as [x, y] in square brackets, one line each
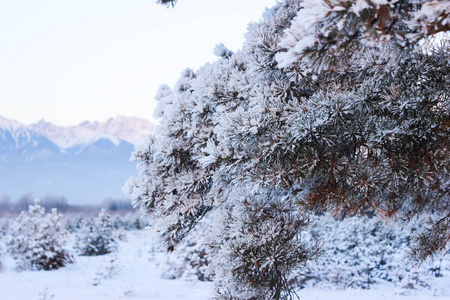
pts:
[69, 61]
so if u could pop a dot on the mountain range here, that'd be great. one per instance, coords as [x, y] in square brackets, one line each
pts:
[86, 163]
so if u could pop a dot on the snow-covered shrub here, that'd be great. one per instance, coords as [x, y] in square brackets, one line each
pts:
[36, 240]
[97, 236]
[73, 223]
[360, 251]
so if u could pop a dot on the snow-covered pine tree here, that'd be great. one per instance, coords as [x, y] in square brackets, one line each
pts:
[97, 236]
[330, 105]
[37, 239]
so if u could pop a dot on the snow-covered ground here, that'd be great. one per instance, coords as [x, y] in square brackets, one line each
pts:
[134, 272]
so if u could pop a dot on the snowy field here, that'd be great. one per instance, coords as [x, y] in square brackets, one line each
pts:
[131, 273]
[134, 272]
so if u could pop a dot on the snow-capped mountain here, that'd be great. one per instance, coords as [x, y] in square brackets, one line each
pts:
[85, 163]
[17, 142]
[130, 129]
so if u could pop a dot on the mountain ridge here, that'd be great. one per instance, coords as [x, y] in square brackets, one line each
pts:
[131, 129]
[88, 165]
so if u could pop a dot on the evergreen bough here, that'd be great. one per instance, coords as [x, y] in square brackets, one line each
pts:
[331, 105]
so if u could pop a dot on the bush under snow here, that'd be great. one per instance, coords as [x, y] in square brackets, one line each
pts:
[36, 240]
[96, 237]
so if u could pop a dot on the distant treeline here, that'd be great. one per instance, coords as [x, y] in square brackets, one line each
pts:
[8, 206]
